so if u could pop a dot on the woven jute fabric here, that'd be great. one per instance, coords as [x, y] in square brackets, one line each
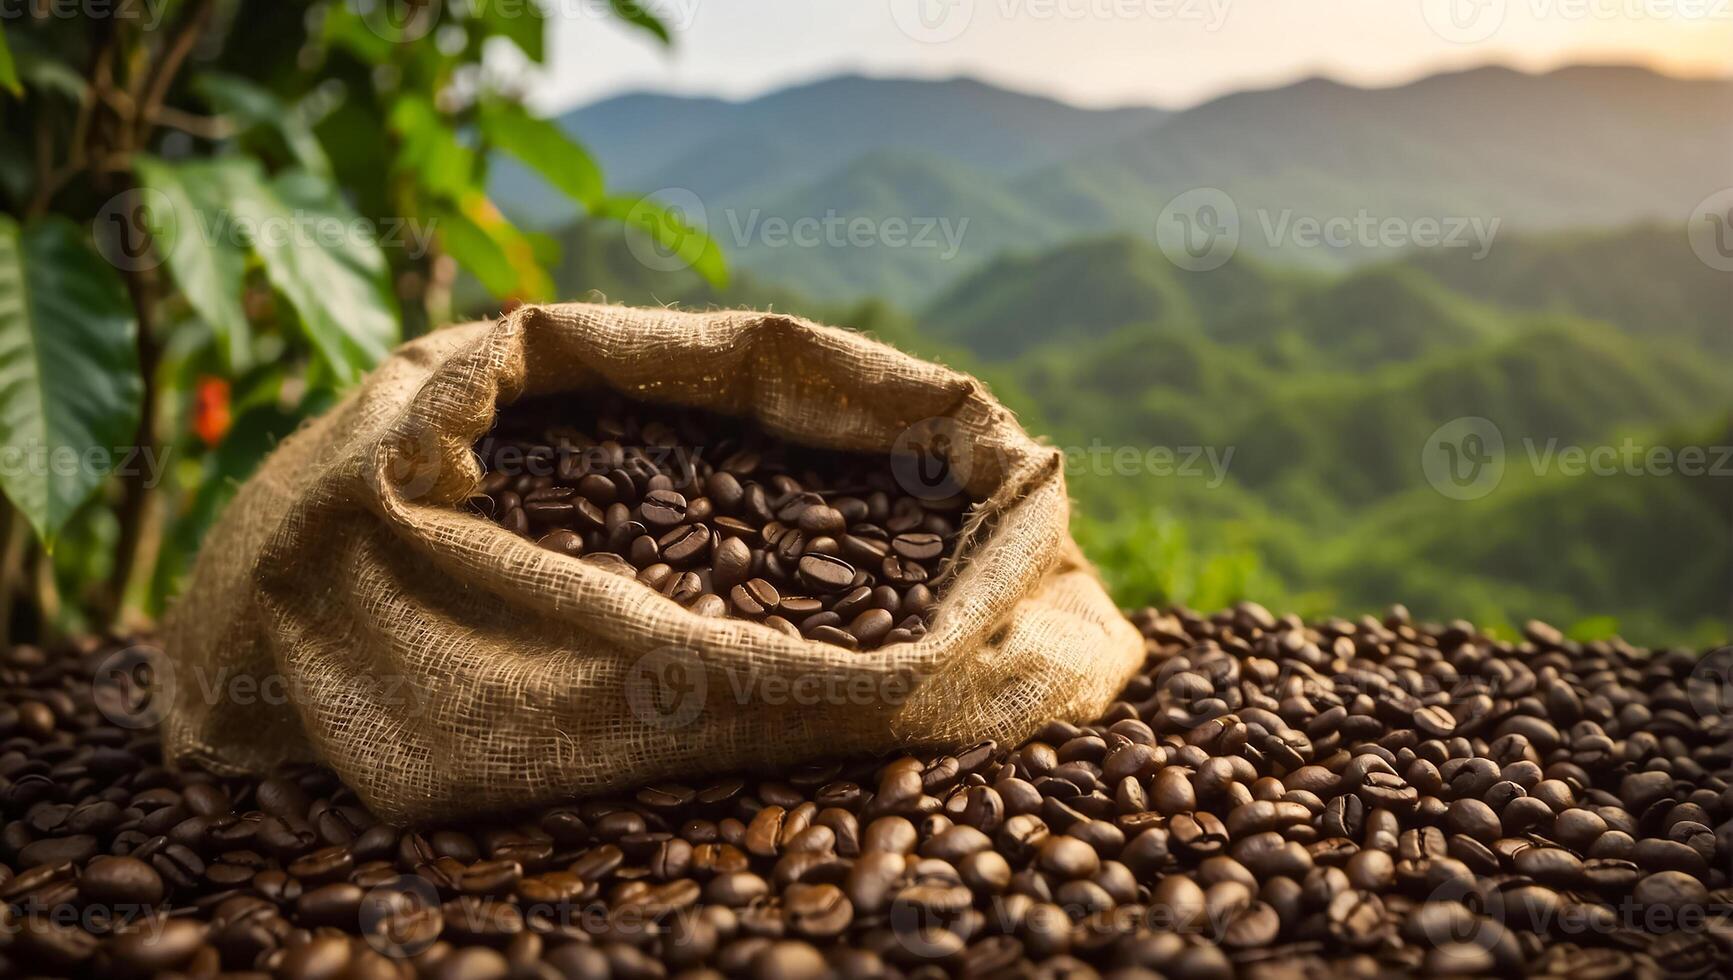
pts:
[348, 609]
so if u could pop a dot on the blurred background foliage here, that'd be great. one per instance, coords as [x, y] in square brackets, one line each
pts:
[218, 214]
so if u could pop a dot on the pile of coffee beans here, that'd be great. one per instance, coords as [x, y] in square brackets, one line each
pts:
[723, 518]
[1267, 798]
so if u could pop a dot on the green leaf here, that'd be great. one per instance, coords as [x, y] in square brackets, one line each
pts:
[505, 260]
[69, 376]
[475, 250]
[8, 72]
[251, 106]
[670, 234]
[187, 207]
[42, 70]
[522, 22]
[634, 13]
[324, 260]
[544, 148]
[430, 148]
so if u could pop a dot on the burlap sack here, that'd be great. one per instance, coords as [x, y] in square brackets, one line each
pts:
[345, 609]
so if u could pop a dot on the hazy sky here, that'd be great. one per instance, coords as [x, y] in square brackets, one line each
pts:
[1106, 52]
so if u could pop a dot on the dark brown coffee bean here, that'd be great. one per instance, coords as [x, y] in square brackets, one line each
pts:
[821, 519]
[823, 573]
[1067, 857]
[869, 628]
[709, 605]
[754, 598]
[1434, 721]
[731, 564]
[120, 881]
[918, 546]
[1474, 819]
[685, 545]
[819, 911]
[834, 636]
[663, 508]
[1254, 926]
[330, 905]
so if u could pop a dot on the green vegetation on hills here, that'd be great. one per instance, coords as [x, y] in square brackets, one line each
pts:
[1646, 279]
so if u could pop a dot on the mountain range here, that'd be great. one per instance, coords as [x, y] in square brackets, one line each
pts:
[1489, 148]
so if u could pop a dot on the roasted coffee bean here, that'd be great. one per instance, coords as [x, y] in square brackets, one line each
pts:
[120, 881]
[824, 573]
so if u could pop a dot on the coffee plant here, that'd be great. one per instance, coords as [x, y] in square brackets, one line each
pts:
[217, 215]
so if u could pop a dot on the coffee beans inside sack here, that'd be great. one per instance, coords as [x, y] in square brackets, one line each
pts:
[716, 515]
[588, 547]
